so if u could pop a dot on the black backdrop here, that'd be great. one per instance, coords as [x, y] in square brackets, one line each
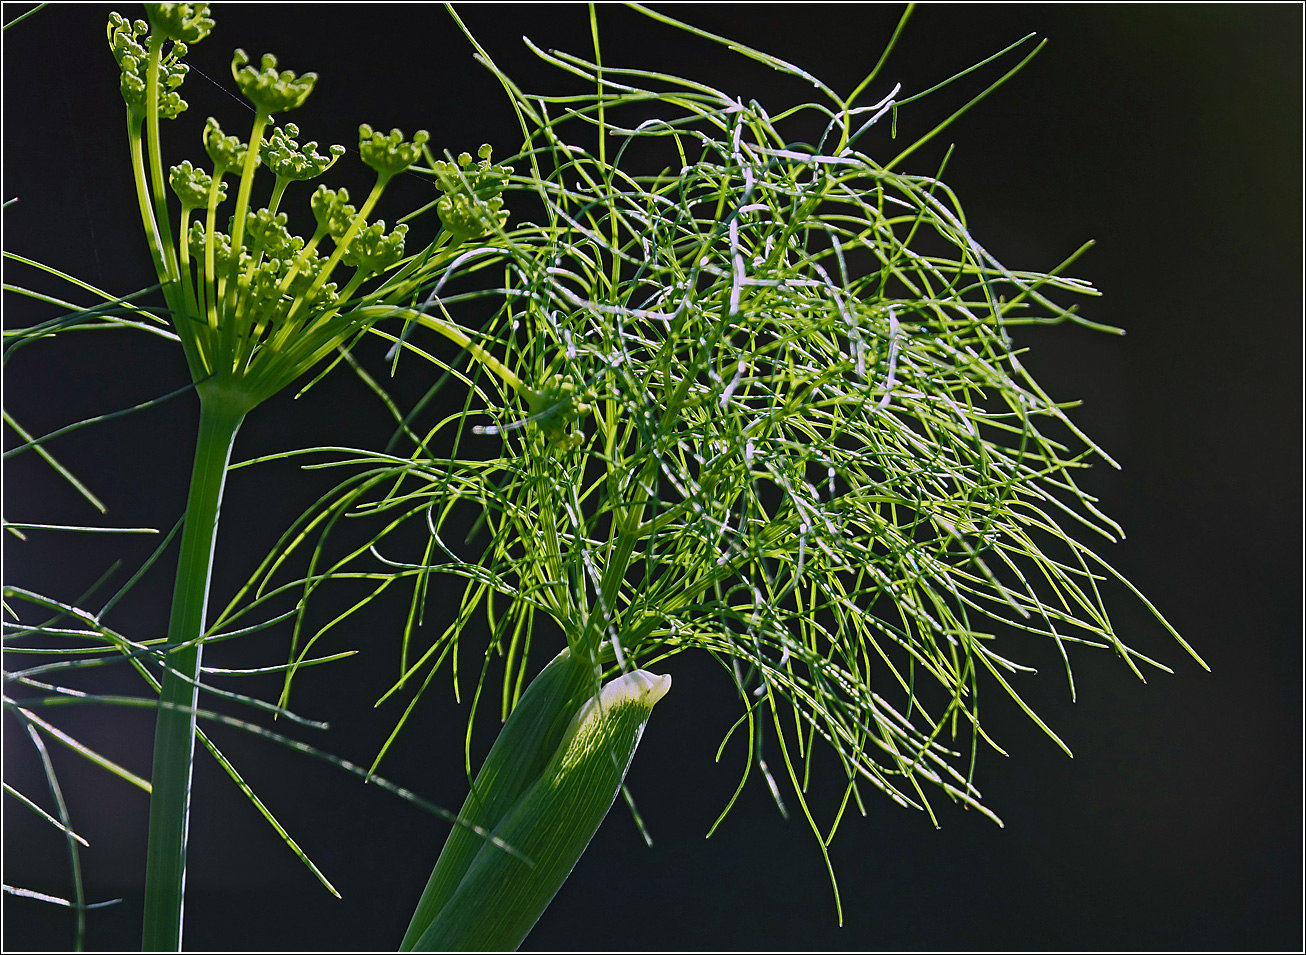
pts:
[1170, 134]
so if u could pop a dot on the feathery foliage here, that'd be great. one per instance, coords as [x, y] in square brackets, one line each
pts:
[738, 392]
[763, 403]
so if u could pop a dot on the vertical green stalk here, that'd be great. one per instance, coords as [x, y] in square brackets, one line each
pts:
[156, 162]
[174, 736]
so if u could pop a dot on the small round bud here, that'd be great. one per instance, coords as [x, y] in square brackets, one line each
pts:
[195, 240]
[227, 152]
[484, 179]
[125, 37]
[373, 251]
[467, 217]
[222, 252]
[270, 91]
[192, 186]
[390, 155]
[263, 229]
[555, 410]
[171, 105]
[133, 60]
[307, 270]
[288, 160]
[188, 22]
[332, 211]
[323, 298]
[263, 290]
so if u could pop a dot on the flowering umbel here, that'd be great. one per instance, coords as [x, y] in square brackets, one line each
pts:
[254, 305]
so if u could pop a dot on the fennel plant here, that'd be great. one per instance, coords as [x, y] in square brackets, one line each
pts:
[738, 392]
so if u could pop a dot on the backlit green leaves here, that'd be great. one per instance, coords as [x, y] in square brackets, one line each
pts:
[767, 404]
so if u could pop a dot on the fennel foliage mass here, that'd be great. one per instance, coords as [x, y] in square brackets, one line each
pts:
[736, 383]
[763, 403]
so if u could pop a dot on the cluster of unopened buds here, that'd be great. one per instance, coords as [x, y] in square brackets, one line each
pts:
[471, 205]
[255, 294]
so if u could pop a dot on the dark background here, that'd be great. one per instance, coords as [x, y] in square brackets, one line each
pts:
[1170, 134]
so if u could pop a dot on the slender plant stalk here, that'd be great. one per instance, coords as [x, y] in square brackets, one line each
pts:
[258, 314]
[174, 734]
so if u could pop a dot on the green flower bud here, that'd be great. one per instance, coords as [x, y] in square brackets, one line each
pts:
[171, 105]
[373, 251]
[308, 270]
[270, 91]
[171, 70]
[471, 206]
[332, 210]
[262, 291]
[555, 409]
[195, 240]
[483, 180]
[324, 297]
[131, 85]
[124, 39]
[222, 252]
[227, 152]
[288, 160]
[267, 231]
[468, 217]
[133, 60]
[389, 155]
[189, 22]
[192, 186]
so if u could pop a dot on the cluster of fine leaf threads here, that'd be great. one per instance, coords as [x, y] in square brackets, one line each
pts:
[742, 409]
[765, 403]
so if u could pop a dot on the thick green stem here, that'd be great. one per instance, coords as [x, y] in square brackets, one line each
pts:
[174, 734]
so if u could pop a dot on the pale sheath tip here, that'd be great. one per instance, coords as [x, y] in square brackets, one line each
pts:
[639, 687]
